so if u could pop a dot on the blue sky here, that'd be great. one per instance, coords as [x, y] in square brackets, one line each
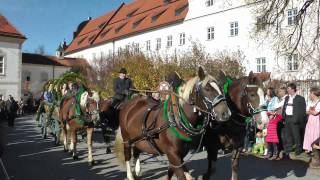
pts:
[48, 22]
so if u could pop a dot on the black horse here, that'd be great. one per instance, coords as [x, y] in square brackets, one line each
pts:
[244, 97]
[109, 122]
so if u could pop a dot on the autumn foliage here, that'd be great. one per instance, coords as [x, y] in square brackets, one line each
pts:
[147, 71]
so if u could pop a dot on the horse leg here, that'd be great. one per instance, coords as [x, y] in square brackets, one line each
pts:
[74, 144]
[175, 160]
[186, 173]
[136, 160]
[169, 174]
[89, 143]
[57, 132]
[106, 139]
[65, 140]
[212, 154]
[235, 163]
[127, 157]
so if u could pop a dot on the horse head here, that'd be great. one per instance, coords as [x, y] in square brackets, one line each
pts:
[90, 100]
[252, 98]
[205, 92]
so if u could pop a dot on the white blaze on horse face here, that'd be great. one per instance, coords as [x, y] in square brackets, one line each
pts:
[216, 87]
[264, 116]
[84, 99]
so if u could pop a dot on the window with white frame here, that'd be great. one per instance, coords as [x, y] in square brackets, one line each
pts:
[261, 64]
[169, 41]
[234, 28]
[148, 45]
[293, 63]
[119, 51]
[136, 47]
[158, 45]
[127, 48]
[210, 33]
[1, 65]
[209, 2]
[292, 16]
[182, 40]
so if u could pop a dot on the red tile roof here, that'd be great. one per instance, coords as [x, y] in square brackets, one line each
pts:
[7, 29]
[106, 28]
[52, 60]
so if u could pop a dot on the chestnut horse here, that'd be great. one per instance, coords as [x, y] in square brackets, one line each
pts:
[89, 106]
[156, 128]
[245, 97]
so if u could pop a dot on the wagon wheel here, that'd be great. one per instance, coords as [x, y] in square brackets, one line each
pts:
[41, 119]
[56, 132]
[44, 126]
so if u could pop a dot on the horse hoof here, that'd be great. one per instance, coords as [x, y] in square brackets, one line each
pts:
[205, 177]
[75, 157]
[92, 163]
[108, 151]
[65, 149]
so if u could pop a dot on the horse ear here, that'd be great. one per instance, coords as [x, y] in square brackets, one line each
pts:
[221, 78]
[201, 73]
[251, 77]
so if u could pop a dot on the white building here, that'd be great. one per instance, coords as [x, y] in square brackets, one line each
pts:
[10, 59]
[168, 27]
[38, 69]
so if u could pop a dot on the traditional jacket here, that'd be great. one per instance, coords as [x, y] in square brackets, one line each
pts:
[121, 88]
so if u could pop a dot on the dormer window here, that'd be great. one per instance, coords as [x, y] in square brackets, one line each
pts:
[81, 40]
[120, 27]
[104, 33]
[157, 15]
[91, 38]
[101, 25]
[166, 1]
[136, 23]
[180, 9]
[130, 14]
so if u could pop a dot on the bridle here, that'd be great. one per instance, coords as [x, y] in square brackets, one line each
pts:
[209, 104]
[251, 111]
[93, 113]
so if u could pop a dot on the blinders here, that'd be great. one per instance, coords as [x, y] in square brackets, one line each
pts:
[94, 112]
[209, 103]
[251, 110]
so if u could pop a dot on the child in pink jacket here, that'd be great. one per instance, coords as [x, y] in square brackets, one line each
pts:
[272, 138]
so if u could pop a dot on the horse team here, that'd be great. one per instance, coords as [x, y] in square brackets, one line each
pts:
[203, 111]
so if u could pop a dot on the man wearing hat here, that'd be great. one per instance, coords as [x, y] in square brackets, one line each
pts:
[121, 87]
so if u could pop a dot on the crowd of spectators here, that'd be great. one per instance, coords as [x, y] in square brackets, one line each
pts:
[293, 129]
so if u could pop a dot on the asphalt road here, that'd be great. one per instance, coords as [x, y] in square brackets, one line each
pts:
[29, 157]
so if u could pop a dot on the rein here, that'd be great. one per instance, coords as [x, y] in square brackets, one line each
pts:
[252, 111]
[168, 92]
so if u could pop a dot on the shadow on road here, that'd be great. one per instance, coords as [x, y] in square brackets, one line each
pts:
[28, 156]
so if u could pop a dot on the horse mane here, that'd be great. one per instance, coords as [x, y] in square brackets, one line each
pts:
[84, 97]
[187, 87]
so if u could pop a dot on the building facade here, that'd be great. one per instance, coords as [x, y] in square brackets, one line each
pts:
[38, 69]
[168, 27]
[11, 41]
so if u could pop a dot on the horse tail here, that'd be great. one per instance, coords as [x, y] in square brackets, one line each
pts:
[119, 149]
